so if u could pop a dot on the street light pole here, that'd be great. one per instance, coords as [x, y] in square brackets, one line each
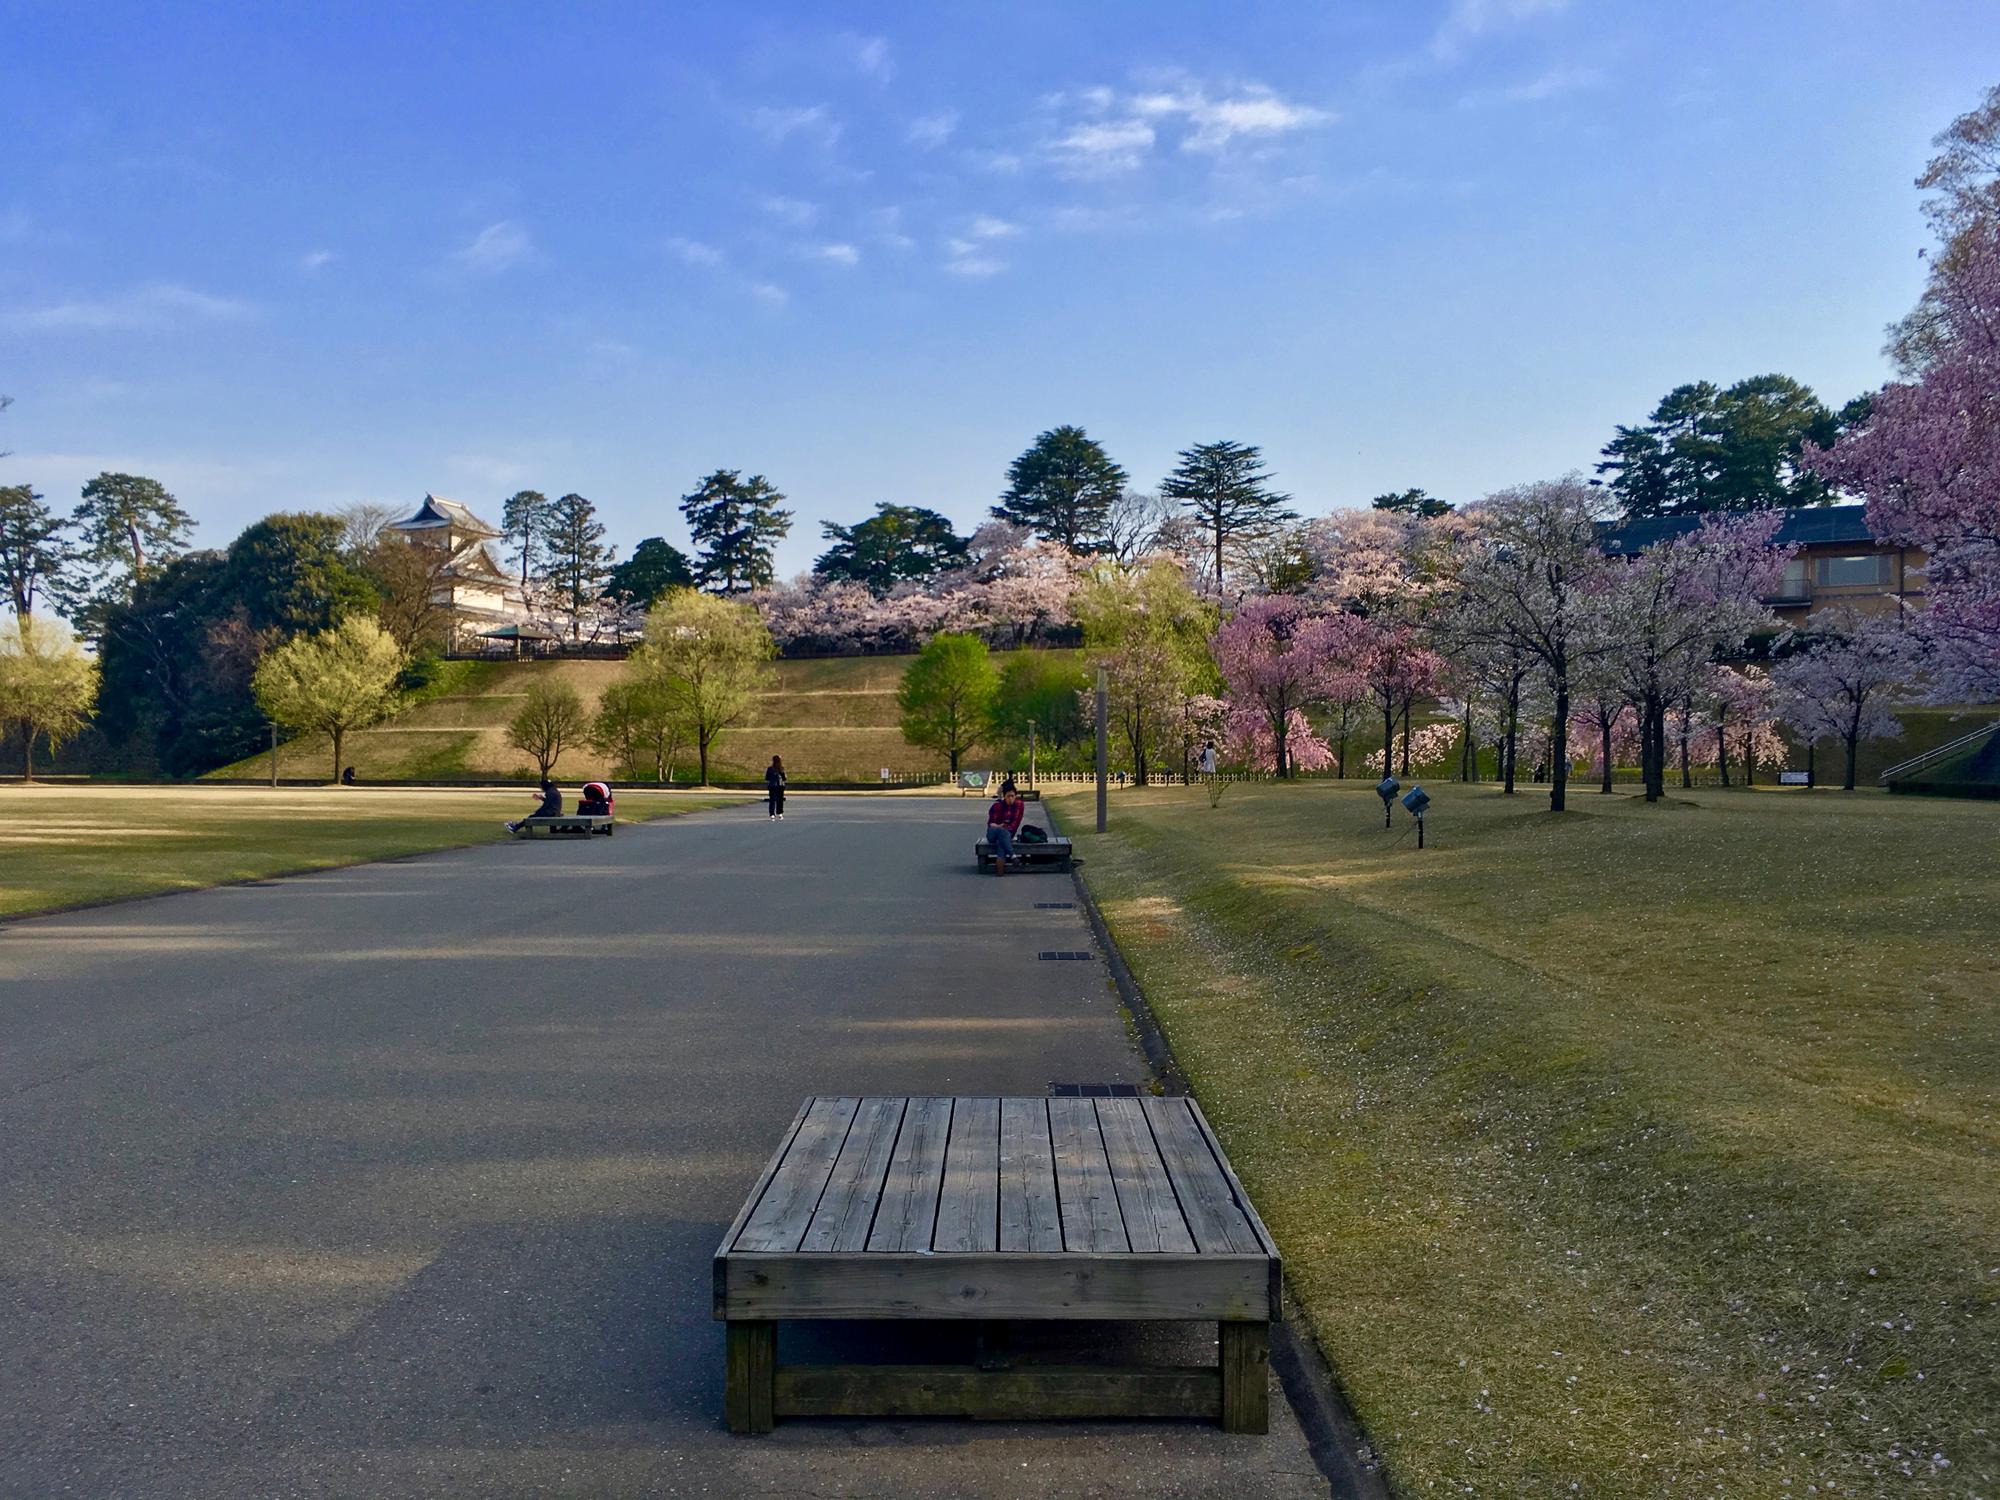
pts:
[1031, 752]
[1103, 753]
[274, 754]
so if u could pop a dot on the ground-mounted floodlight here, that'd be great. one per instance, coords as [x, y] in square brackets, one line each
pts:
[1416, 800]
[1386, 789]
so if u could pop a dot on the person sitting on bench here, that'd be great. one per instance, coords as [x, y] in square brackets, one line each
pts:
[551, 805]
[1003, 821]
[595, 801]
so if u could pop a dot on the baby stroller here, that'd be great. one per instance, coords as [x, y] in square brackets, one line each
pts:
[596, 802]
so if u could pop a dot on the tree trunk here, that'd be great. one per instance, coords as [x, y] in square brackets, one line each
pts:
[27, 753]
[1468, 753]
[1406, 737]
[1559, 749]
[1853, 740]
[702, 738]
[1722, 753]
[1653, 742]
[1280, 743]
[1389, 738]
[1687, 768]
[1343, 750]
[1604, 751]
[1749, 759]
[1513, 736]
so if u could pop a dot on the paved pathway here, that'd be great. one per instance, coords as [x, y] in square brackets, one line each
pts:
[404, 1179]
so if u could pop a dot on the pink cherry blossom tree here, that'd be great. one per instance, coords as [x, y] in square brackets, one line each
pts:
[1843, 679]
[1277, 656]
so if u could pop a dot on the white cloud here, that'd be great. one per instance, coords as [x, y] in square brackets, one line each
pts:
[1469, 21]
[1553, 84]
[771, 295]
[793, 213]
[986, 227]
[156, 306]
[839, 254]
[871, 57]
[317, 260]
[1113, 146]
[814, 122]
[694, 252]
[931, 131]
[1121, 131]
[975, 266]
[497, 247]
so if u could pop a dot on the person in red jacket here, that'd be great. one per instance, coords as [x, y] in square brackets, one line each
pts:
[1003, 821]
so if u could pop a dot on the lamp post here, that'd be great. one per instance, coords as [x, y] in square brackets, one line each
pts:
[274, 753]
[1031, 752]
[1103, 753]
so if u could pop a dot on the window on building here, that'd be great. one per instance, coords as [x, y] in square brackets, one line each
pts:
[1793, 584]
[1845, 572]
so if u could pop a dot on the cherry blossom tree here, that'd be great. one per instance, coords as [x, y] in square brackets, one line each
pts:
[1928, 464]
[1277, 656]
[1844, 679]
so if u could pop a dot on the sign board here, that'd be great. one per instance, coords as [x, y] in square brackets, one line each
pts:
[1794, 778]
[972, 781]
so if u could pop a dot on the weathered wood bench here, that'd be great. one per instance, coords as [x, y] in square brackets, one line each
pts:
[992, 1210]
[1057, 853]
[567, 826]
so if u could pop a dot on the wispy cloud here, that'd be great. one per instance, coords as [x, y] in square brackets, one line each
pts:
[1109, 146]
[497, 247]
[317, 260]
[158, 305]
[931, 131]
[1552, 84]
[793, 213]
[968, 258]
[1109, 132]
[694, 252]
[986, 227]
[871, 57]
[837, 254]
[770, 294]
[1470, 21]
[812, 122]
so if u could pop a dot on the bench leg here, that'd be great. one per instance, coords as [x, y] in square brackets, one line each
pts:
[750, 1382]
[1246, 1392]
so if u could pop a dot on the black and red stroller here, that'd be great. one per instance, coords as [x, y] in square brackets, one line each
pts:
[596, 801]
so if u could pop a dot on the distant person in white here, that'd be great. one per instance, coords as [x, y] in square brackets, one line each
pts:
[1208, 759]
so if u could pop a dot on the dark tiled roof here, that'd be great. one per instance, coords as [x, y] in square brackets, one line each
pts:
[1803, 525]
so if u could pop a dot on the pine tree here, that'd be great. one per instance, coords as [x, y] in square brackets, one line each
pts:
[579, 562]
[735, 523]
[1226, 488]
[1063, 487]
[525, 519]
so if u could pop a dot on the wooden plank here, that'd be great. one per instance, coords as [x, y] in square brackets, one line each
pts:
[749, 1377]
[908, 1211]
[779, 1220]
[1207, 1200]
[1146, 1199]
[1090, 1219]
[1030, 1212]
[954, 1391]
[1054, 1286]
[763, 1179]
[968, 1217]
[1246, 1379]
[847, 1207]
[1229, 1175]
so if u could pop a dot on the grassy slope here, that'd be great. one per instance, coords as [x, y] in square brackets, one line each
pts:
[67, 846]
[831, 719]
[1646, 1150]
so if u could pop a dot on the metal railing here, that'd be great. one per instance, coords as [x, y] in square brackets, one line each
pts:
[1937, 753]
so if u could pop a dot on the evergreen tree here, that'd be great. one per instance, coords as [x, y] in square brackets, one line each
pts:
[130, 525]
[525, 519]
[897, 543]
[1226, 488]
[1063, 488]
[655, 566]
[735, 523]
[579, 564]
[33, 555]
[1412, 502]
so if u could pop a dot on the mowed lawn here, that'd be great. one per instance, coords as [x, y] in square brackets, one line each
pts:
[67, 845]
[1640, 1151]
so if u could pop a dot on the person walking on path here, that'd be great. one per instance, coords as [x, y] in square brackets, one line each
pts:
[1003, 821]
[1208, 759]
[774, 786]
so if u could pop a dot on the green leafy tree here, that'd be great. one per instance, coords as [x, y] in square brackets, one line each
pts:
[1063, 488]
[34, 558]
[1412, 502]
[331, 682]
[639, 723]
[289, 573]
[129, 524]
[1149, 630]
[710, 656]
[896, 544]
[1227, 490]
[550, 722]
[655, 566]
[735, 523]
[524, 517]
[1041, 688]
[947, 694]
[579, 563]
[47, 684]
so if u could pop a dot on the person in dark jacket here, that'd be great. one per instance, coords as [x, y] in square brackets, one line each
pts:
[551, 805]
[1003, 822]
[774, 786]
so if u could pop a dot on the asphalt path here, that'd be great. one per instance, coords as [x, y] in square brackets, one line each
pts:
[404, 1179]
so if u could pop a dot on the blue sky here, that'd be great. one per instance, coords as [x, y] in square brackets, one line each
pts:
[292, 256]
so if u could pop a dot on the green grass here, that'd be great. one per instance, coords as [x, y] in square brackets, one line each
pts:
[69, 846]
[1639, 1151]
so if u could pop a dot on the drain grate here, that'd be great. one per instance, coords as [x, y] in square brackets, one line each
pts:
[1059, 955]
[1093, 1091]
[1055, 906]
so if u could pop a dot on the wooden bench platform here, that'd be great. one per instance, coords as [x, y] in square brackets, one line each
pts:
[568, 826]
[995, 1209]
[1057, 853]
